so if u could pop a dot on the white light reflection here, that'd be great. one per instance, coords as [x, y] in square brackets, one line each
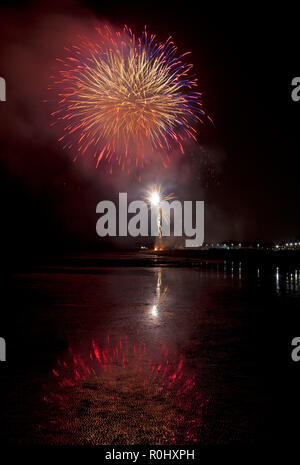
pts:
[277, 279]
[160, 295]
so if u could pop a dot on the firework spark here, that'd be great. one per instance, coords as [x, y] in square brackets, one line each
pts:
[154, 196]
[123, 99]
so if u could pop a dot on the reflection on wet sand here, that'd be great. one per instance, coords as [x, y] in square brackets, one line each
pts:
[185, 360]
[122, 393]
[159, 295]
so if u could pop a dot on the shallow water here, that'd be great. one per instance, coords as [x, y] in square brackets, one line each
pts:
[144, 355]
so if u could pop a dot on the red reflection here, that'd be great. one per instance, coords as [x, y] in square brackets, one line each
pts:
[150, 396]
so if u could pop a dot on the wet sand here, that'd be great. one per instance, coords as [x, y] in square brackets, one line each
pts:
[144, 354]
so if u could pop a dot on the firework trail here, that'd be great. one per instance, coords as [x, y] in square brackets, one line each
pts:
[154, 196]
[123, 99]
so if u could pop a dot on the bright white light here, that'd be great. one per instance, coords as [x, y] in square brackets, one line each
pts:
[154, 310]
[155, 199]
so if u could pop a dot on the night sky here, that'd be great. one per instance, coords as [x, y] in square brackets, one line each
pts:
[245, 166]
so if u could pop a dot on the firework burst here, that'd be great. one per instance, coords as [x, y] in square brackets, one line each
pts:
[124, 99]
[156, 194]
